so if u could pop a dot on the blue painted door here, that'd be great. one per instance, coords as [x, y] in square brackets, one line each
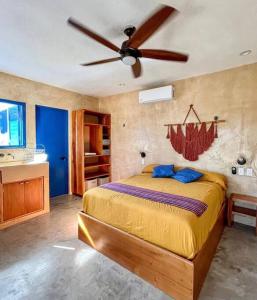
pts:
[52, 132]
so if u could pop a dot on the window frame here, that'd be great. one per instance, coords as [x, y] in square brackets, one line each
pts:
[24, 144]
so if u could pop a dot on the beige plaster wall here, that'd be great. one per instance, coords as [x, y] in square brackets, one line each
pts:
[230, 94]
[32, 93]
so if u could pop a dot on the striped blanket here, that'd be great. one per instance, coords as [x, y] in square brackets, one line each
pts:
[193, 205]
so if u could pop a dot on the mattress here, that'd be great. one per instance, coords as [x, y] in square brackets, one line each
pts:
[170, 227]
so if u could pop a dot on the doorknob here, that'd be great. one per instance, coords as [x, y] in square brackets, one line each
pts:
[63, 158]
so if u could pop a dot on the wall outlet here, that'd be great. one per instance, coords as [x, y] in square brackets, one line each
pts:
[241, 171]
[249, 172]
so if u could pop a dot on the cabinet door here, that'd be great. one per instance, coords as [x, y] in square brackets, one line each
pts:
[13, 205]
[33, 195]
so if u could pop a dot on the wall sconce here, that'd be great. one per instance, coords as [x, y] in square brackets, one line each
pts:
[241, 160]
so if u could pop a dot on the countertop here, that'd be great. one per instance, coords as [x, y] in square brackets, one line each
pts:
[20, 163]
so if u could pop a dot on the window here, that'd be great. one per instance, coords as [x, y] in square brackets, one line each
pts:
[12, 124]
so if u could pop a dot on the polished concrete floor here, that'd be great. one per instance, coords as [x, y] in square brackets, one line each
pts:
[43, 259]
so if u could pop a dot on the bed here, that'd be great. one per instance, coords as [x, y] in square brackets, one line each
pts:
[167, 245]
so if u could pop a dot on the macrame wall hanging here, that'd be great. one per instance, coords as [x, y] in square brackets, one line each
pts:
[195, 138]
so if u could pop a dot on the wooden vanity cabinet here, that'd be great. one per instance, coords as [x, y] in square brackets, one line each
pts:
[24, 192]
[21, 198]
[13, 200]
[33, 195]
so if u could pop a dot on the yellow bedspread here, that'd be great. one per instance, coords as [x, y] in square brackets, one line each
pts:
[172, 228]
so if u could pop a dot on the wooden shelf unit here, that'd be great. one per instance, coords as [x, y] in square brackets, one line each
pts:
[97, 164]
[96, 174]
[97, 155]
[91, 133]
[97, 125]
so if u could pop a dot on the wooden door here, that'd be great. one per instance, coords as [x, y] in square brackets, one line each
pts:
[33, 195]
[13, 205]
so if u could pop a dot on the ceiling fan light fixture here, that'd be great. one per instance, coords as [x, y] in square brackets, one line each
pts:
[129, 60]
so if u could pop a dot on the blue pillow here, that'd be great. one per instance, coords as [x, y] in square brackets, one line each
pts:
[163, 171]
[187, 175]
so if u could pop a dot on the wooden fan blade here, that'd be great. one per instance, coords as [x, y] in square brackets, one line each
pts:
[103, 61]
[137, 69]
[92, 34]
[163, 54]
[150, 26]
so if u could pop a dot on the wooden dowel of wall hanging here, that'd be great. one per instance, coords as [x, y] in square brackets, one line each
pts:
[207, 122]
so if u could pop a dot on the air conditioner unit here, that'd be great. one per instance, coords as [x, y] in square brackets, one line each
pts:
[159, 94]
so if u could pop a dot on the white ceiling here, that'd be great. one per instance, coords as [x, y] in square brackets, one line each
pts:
[36, 42]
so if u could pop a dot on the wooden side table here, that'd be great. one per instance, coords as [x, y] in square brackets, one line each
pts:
[232, 209]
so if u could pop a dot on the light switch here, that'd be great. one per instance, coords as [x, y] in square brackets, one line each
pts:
[241, 171]
[249, 172]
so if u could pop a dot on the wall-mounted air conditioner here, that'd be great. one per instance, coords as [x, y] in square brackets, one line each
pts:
[164, 93]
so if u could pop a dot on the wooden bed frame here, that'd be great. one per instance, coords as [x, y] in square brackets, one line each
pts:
[178, 277]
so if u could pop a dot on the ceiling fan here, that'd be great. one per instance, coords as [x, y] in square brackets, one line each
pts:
[129, 52]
